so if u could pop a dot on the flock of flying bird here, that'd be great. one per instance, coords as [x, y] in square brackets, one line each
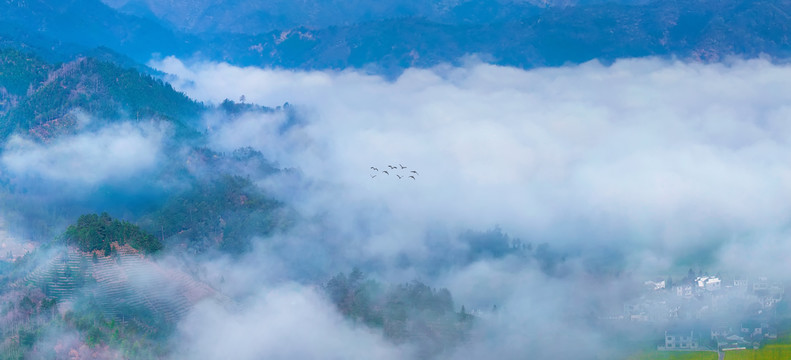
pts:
[393, 167]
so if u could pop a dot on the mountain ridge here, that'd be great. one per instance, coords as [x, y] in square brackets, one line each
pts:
[99, 88]
[540, 36]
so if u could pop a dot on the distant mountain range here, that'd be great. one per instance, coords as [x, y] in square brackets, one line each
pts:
[256, 17]
[393, 35]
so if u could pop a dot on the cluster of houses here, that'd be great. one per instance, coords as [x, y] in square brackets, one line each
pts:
[709, 312]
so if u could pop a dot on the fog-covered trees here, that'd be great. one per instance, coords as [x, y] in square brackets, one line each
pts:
[225, 212]
[45, 96]
[409, 312]
[98, 232]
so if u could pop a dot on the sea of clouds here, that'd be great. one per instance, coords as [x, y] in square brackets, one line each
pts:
[647, 166]
[660, 165]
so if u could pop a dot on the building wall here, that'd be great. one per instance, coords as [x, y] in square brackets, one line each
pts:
[681, 341]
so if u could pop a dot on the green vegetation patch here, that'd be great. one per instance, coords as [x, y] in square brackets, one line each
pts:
[410, 312]
[37, 323]
[768, 352]
[97, 232]
[675, 355]
[20, 71]
[47, 96]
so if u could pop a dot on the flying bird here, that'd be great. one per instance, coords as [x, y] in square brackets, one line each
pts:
[386, 172]
[413, 178]
[373, 176]
[392, 167]
[374, 169]
[414, 172]
[402, 166]
[399, 176]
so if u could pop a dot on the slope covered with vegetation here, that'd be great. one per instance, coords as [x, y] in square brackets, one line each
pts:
[411, 312]
[46, 96]
[87, 24]
[20, 70]
[100, 232]
[223, 213]
[122, 306]
[391, 37]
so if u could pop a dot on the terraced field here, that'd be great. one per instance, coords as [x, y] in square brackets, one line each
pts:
[127, 286]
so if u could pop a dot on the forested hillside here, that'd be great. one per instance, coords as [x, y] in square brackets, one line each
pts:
[20, 71]
[390, 37]
[42, 99]
[74, 26]
[508, 179]
[121, 305]
[407, 313]
[101, 232]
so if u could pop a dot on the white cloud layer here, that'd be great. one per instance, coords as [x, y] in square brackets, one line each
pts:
[665, 156]
[287, 322]
[666, 163]
[111, 153]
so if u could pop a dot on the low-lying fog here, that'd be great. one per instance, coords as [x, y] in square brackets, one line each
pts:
[628, 172]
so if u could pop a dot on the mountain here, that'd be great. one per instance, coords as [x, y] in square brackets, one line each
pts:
[40, 99]
[256, 17]
[223, 213]
[124, 284]
[703, 30]
[94, 233]
[101, 280]
[85, 24]
[390, 36]
[126, 301]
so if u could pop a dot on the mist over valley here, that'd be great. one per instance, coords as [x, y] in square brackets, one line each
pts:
[543, 180]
